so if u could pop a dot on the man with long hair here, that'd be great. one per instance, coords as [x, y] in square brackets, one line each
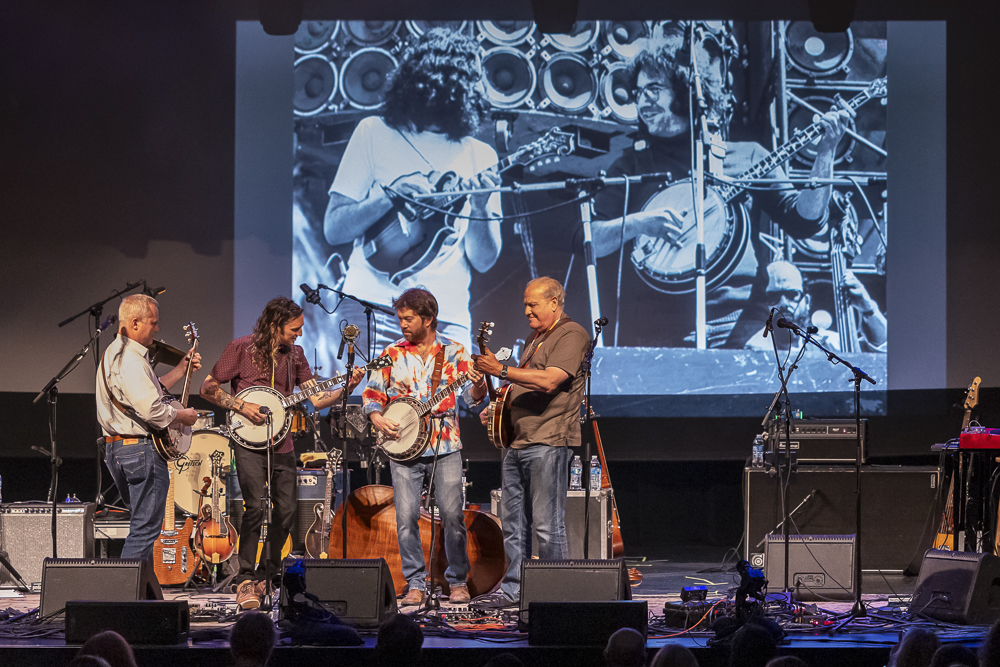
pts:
[267, 357]
[131, 402]
[423, 361]
[433, 108]
[661, 78]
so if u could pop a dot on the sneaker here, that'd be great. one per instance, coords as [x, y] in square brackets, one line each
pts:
[497, 600]
[459, 594]
[413, 597]
[247, 596]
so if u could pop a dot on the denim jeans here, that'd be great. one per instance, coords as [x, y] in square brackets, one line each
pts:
[251, 469]
[407, 483]
[142, 479]
[534, 482]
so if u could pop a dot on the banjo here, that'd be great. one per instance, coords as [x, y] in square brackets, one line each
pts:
[412, 415]
[672, 267]
[254, 436]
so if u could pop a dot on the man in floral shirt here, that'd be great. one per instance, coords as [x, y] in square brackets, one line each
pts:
[414, 358]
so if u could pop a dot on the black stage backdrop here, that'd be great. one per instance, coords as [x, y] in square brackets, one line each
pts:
[118, 164]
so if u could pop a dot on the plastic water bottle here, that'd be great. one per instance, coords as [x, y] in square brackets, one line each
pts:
[576, 474]
[595, 474]
[758, 453]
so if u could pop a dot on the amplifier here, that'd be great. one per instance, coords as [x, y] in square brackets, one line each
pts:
[900, 510]
[820, 441]
[26, 536]
[599, 538]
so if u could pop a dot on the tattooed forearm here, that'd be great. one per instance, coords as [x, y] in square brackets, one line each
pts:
[212, 391]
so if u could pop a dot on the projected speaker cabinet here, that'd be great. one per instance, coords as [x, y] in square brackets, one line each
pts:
[599, 538]
[26, 536]
[898, 505]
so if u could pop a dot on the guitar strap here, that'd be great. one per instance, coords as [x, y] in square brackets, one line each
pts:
[438, 366]
[127, 411]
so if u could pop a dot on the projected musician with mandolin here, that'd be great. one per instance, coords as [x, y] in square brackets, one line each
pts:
[654, 228]
[269, 358]
[405, 405]
[423, 142]
[130, 405]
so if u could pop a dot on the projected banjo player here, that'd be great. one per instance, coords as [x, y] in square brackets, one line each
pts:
[434, 105]
[659, 76]
[423, 363]
[267, 357]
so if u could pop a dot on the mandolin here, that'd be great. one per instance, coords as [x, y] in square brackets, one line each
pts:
[214, 537]
[173, 558]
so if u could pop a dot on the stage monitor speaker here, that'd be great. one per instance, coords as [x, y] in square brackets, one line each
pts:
[26, 536]
[958, 587]
[584, 623]
[108, 580]
[571, 581]
[359, 592]
[820, 567]
[900, 510]
[160, 622]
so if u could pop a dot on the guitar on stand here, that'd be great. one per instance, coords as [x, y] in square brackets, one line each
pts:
[173, 558]
[318, 536]
[945, 538]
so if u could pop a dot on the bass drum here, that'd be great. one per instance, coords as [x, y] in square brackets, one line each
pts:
[670, 267]
[191, 470]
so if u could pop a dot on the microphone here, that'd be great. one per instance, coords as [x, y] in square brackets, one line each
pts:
[312, 295]
[768, 326]
[108, 321]
[351, 332]
[152, 291]
[264, 410]
[601, 321]
[788, 324]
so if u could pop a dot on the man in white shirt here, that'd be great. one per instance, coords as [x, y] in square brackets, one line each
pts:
[139, 473]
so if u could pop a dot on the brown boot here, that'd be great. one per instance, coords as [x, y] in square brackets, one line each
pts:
[413, 597]
[459, 594]
[247, 596]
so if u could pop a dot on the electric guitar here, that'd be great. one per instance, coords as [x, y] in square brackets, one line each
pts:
[173, 557]
[173, 442]
[255, 436]
[318, 536]
[408, 238]
[946, 529]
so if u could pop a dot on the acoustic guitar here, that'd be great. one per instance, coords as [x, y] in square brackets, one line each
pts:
[946, 529]
[173, 558]
[318, 536]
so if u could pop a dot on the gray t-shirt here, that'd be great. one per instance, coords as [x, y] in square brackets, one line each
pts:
[552, 419]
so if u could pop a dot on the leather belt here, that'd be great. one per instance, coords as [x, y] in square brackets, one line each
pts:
[127, 439]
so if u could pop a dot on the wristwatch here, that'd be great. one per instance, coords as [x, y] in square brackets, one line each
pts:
[503, 373]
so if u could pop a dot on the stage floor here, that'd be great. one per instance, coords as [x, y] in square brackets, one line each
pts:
[460, 641]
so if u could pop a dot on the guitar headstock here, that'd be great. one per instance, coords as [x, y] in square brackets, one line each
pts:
[216, 457]
[378, 363]
[191, 332]
[485, 331]
[877, 88]
[972, 396]
[553, 142]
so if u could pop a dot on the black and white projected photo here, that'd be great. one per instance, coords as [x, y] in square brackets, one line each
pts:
[471, 157]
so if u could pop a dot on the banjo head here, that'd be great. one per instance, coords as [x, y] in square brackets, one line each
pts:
[408, 443]
[254, 436]
[671, 267]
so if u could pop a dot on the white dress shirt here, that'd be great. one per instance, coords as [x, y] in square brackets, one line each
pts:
[130, 376]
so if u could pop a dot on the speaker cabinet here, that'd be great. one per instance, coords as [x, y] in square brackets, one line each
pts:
[592, 624]
[159, 622]
[110, 580]
[820, 567]
[899, 510]
[26, 536]
[572, 581]
[958, 587]
[599, 539]
[359, 591]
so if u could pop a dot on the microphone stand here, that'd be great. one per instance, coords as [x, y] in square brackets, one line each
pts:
[268, 603]
[432, 602]
[698, 192]
[342, 427]
[858, 610]
[588, 421]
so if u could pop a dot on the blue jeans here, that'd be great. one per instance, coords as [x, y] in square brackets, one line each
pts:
[533, 494]
[407, 482]
[142, 478]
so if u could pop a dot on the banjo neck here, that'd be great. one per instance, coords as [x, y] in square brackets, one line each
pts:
[442, 394]
[302, 395]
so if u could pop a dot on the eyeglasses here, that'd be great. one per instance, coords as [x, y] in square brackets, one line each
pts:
[651, 90]
[792, 295]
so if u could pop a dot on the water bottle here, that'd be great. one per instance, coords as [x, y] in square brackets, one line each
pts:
[576, 474]
[758, 453]
[595, 474]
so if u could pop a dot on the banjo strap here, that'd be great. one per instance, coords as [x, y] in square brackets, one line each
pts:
[438, 366]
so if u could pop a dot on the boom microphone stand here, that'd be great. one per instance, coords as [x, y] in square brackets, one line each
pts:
[588, 420]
